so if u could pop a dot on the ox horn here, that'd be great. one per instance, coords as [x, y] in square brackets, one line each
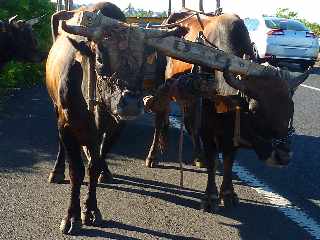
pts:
[295, 80]
[91, 33]
[36, 20]
[269, 71]
[12, 19]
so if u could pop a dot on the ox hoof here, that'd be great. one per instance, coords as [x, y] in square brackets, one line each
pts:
[150, 163]
[105, 177]
[210, 204]
[91, 218]
[230, 200]
[70, 226]
[56, 177]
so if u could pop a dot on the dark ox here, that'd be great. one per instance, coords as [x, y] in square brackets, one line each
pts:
[113, 55]
[18, 42]
[266, 110]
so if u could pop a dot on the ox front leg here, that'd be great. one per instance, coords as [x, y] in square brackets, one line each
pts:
[57, 173]
[91, 214]
[227, 194]
[71, 224]
[159, 138]
[210, 203]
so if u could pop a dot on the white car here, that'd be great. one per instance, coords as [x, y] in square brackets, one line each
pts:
[282, 40]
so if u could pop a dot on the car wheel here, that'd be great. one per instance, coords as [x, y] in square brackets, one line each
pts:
[306, 65]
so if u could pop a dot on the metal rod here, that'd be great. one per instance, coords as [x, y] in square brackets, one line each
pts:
[201, 6]
[181, 144]
[218, 4]
[183, 3]
[169, 9]
[59, 5]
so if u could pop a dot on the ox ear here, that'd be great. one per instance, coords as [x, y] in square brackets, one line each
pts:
[36, 20]
[295, 81]
[82, 47]
[233, 81]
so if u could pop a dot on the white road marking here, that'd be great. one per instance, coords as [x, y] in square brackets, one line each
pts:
[313, 88]
[282, 204]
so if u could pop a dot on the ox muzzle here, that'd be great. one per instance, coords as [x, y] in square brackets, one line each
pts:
[277, 152]
[281, 154]
[130, 106]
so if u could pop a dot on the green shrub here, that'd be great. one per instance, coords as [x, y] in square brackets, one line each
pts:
[17, 74]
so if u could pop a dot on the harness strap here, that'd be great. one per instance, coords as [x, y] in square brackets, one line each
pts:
[199, 21]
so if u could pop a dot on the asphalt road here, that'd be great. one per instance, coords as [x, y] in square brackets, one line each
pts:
[148, 203]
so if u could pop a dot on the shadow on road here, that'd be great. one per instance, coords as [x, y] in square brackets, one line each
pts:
[118, 225]
[28, 132]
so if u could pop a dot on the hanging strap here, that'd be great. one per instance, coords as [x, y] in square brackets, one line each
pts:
[181, 145]
[237, 133]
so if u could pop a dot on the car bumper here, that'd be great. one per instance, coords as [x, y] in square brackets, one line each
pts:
[287, 52]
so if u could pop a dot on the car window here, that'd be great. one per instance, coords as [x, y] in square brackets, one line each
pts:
[285, 24]
[251, 23]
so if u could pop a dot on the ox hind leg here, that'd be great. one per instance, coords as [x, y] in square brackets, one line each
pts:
[159, 137]
[71, 224]
[108, 130]
[109, 137]
[57, 173]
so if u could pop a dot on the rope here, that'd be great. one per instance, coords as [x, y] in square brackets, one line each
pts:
[181, 145]
[199, 21]
[237, 134]
[170, 24]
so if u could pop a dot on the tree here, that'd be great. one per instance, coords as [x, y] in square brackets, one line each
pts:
[287, 13]
[130, 11]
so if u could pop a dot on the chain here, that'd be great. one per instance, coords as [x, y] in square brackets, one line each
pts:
[284, 140]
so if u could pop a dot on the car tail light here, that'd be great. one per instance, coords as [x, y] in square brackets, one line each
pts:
[275, 32]
[310, 34]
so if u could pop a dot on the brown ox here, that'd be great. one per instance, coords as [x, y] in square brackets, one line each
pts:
[111, 54]
[265, 122]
